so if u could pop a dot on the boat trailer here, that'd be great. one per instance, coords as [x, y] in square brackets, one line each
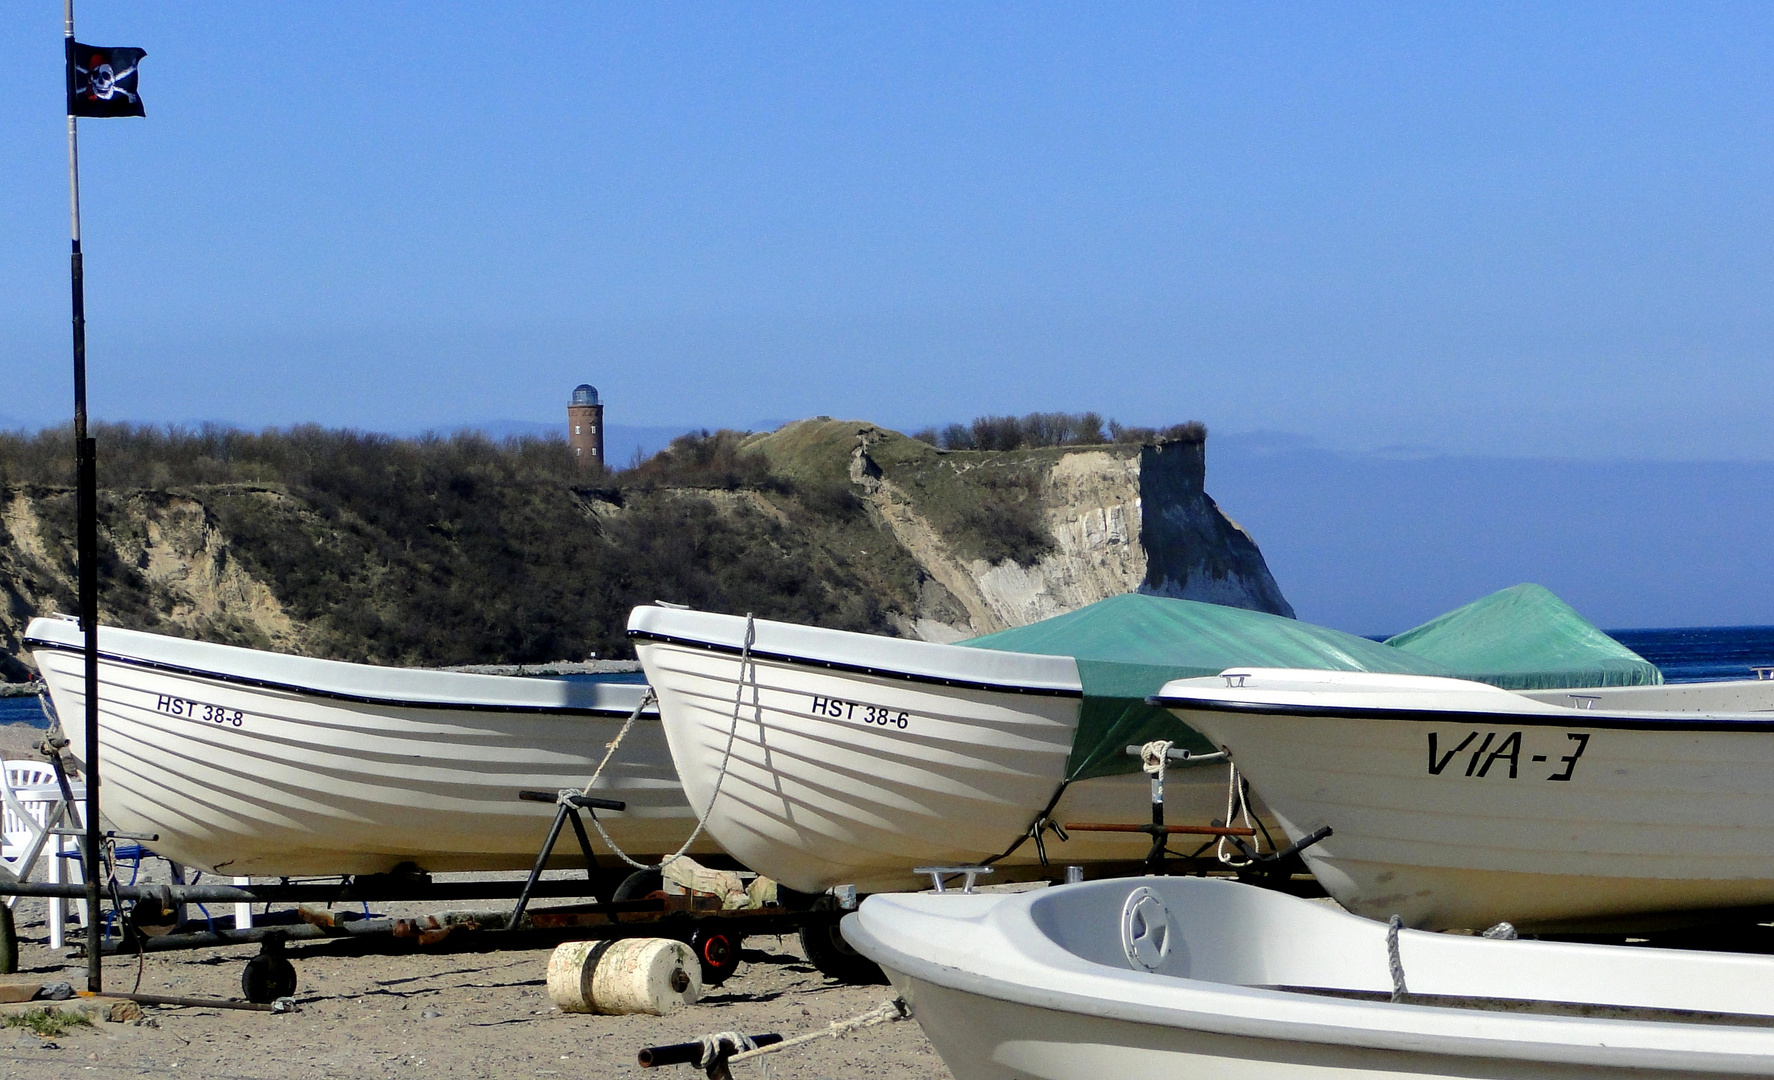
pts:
[1271, 869]
[148, 915]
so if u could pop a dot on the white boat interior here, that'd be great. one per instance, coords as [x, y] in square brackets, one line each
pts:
[1731, 696]
[1165, 977]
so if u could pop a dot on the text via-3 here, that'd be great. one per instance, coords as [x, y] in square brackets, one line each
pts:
[1487, 754]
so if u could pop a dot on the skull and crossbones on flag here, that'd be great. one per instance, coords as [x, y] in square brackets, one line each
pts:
[102, 81]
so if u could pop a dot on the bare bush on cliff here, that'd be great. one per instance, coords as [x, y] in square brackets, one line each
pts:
[461, 549]
[1042, 429]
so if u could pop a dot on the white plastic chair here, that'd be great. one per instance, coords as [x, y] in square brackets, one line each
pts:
[31, 805]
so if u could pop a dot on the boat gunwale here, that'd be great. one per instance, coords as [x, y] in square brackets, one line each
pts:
[35, 644]
[1568, 718]
[860, 669]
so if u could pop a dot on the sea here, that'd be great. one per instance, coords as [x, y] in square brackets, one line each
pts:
[1684, 654]
[1703, 653]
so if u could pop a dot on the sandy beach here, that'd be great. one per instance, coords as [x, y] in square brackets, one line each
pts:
[445, 1013]
[447, 1010]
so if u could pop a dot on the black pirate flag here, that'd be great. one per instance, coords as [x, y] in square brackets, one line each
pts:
[102, 82]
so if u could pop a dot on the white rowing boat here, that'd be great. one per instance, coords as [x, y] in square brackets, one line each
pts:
[1173, 977]
[255, 763]
[840, 757]
[1456, 804]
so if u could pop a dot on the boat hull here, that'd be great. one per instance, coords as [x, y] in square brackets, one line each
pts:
[1480, 812]
[841, 775]
[813, 800]
[980, 1038]
[1248, 983]
[244, 775]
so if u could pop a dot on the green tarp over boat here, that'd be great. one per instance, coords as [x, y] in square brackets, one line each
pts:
[1525, 638]
[1129, 646]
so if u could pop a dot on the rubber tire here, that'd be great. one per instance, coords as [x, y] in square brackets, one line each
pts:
[638, 886]
[718, 952]
[267, 978]
[9, 941]
[827, 950]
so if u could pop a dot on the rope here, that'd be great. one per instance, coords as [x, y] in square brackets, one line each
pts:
[1045, 824]
[1236, 805]
[610, 752]
[751, 637]
[1153, 756]
[1393, 925]
[647, 698]
[1041, 824]
[894, 1009]
[719, 1044]
[745, 662]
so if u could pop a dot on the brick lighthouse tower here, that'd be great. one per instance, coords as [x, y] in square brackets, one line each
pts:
[585, 426]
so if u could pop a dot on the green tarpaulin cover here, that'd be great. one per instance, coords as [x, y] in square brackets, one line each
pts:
[1525, 638]
[1127, 647]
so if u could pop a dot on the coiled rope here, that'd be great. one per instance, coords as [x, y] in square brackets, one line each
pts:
[745, 665]
[1153, 757]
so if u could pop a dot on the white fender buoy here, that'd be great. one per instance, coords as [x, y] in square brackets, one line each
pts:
[629, 975]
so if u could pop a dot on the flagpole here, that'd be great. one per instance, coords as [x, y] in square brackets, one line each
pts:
[86, 543]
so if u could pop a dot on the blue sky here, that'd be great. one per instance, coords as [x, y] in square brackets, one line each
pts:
[1500, 232]
[1535, 229]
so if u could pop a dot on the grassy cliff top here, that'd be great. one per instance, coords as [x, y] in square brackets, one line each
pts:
[987, 503]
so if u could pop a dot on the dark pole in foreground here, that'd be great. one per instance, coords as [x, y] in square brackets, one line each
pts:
[86, 543]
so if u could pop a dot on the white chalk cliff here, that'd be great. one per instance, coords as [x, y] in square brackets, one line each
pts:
[1119, 518]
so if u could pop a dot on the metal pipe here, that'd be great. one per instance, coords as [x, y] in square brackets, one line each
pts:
[215, 938]
[690, 1053]
[1185, 758]
[86, 528]
[1158, 827]
[378, 892]
[554, 833]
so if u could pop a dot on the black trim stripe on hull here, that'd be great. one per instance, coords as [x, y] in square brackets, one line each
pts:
[860, 669]
[332, 695]
[1575, 718]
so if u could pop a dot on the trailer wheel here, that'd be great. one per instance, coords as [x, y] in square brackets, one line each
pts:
[9, 941]
[639, 885]
[269, 975]
[718, 953]
[827, 950]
